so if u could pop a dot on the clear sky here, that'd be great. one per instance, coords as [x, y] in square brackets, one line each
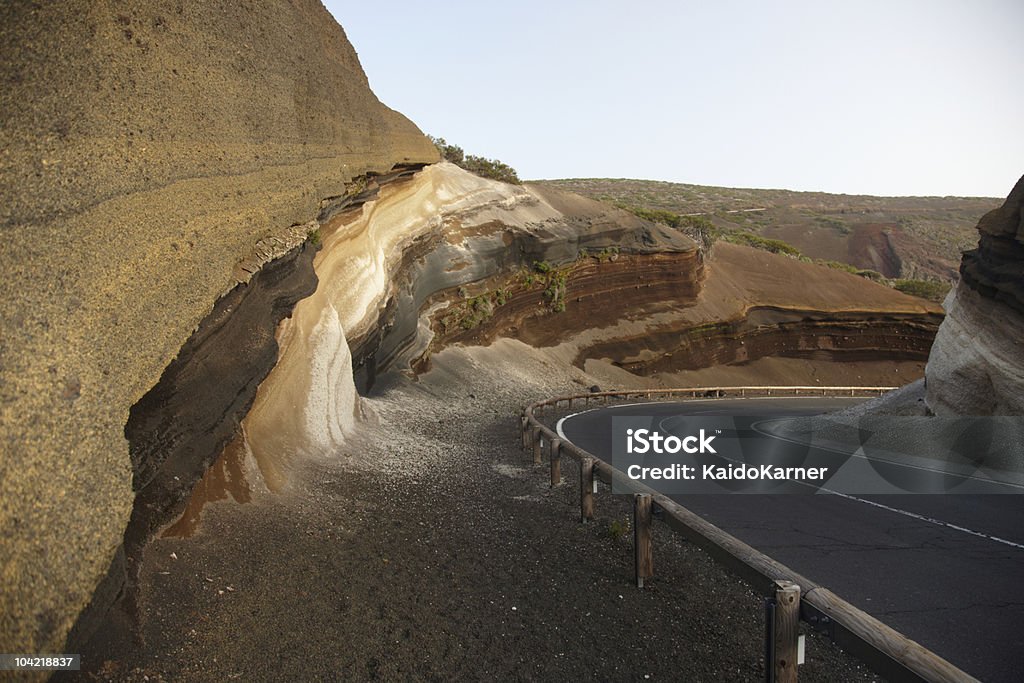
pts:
[897, 97]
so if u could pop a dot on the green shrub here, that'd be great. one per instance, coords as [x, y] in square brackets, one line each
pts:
[925, 289]
[481, 166]
[698, 223]
[618, 529]
[452, 153]
[839, 265]
[763, 243]
[872, 275]
[668, 218]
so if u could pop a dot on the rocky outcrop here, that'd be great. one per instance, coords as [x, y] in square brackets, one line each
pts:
[449, 258]
[657, 315]
[154, 158]
[385, 268]
[977, 363]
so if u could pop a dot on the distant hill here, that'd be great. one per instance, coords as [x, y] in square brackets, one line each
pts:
[918, 238]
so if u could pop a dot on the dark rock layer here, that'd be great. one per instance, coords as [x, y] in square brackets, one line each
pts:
[597, 292]
[181, 425]
[996, 268]
[666, 263]
[838, 336]
[977, 364]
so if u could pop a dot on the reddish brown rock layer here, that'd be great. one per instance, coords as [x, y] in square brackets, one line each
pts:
[597, 291]
[767, 332]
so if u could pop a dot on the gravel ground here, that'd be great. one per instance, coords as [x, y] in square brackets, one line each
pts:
[433, 549]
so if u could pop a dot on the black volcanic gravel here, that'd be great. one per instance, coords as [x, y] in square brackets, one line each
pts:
[433, 549]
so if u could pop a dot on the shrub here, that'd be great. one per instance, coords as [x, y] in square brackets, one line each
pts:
[926, 289]
[481, 166]
[872, 275]
[617, 529]
[758, 242]
[492, 168]
[668, 218]
[839, 265]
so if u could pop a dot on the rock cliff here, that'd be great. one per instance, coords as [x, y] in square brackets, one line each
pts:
[385, 267]
[155, 156]
[976, 365]
[450, 258]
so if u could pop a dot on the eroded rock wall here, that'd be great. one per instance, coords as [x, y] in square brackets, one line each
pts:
[380, 269]
[154, 154]
[977, 363]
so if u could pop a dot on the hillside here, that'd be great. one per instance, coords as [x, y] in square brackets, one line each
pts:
[899, 237]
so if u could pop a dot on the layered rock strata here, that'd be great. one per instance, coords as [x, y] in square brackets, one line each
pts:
[661, 314]
[154, 157]
[449, 258]
[977, 362]
[385, 267]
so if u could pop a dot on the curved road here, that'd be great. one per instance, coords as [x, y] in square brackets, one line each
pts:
[945, 570]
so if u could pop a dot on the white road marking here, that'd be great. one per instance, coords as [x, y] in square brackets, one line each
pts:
[882, 506]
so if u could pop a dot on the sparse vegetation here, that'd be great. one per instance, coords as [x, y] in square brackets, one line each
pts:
[839, 265]
[673, 220]
[474, 310]
[816, 223]
[606, 254]
[617, 529]
[698, 228]
[314, 237]
[833, 223]
[758, 242]
[481, 166]
[554, 292]
[926, 289]
[554, 281]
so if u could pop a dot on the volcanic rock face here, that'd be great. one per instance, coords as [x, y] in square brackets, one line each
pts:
[385, 267]
[449, 258]
[153, 157]
[977, 363]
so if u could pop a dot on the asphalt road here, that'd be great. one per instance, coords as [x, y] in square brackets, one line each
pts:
[945, 570]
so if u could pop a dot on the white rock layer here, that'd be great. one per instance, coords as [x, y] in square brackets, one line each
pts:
[308, 403]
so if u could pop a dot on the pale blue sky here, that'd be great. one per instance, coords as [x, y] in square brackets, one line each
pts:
[894, 97]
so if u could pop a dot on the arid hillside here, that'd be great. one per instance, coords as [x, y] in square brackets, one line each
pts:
[912, 238]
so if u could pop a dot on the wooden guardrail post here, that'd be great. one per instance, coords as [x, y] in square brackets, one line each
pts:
[538, 441]
[525, 427]
[782, 633]
[555, 456]
[642, 538]
[587, 486]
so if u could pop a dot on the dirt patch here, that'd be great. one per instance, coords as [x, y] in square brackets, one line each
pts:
[871, 247]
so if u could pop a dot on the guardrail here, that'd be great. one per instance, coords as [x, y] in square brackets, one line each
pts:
[791, 597]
